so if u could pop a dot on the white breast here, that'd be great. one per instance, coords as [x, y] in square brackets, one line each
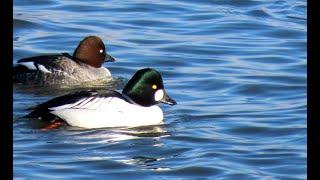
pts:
[107, 71]
[107, 112]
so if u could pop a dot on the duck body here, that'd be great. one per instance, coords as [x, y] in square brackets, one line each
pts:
[84, 65]
[113, 113]
[135, 106]
[56, 69]
[94, 109]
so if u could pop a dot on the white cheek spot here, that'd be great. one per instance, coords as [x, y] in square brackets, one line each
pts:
[101, 51]
[158, 95]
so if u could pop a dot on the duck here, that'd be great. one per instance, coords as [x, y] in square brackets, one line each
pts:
[135, 106]
[62, 68]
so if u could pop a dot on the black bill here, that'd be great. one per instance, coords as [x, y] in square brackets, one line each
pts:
[109, 58]
[167, 100]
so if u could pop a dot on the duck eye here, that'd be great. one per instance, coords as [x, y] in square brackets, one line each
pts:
[101, 51]
[154, 87]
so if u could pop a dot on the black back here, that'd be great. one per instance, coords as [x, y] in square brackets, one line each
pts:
[42, 110]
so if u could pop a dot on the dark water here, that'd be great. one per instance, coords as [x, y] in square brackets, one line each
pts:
[236, 68]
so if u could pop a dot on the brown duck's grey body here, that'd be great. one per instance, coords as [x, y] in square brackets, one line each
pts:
[62, 70]
[85, 65]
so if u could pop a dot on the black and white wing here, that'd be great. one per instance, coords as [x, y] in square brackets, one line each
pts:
[45, 64]
[78, 100]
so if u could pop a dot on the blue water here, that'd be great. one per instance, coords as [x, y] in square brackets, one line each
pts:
[236, 68]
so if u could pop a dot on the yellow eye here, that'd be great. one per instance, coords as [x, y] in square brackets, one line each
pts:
[154, 86]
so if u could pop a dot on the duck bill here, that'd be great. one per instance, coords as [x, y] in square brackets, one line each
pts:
[109, 58]
[168, 100]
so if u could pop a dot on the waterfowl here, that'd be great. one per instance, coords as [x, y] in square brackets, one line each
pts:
[135, 106]
[83, 66]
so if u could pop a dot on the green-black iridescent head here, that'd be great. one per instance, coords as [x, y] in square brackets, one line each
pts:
[146, 88]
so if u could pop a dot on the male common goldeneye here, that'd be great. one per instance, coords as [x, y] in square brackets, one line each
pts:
[135, 106]
[83, 66]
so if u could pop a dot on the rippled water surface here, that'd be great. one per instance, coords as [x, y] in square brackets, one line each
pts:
[236, 68]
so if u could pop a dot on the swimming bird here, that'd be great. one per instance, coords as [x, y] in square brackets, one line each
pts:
[83, 66]
[135, 106]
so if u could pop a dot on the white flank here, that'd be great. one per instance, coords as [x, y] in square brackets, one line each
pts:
[108, 112]
[107, 71]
